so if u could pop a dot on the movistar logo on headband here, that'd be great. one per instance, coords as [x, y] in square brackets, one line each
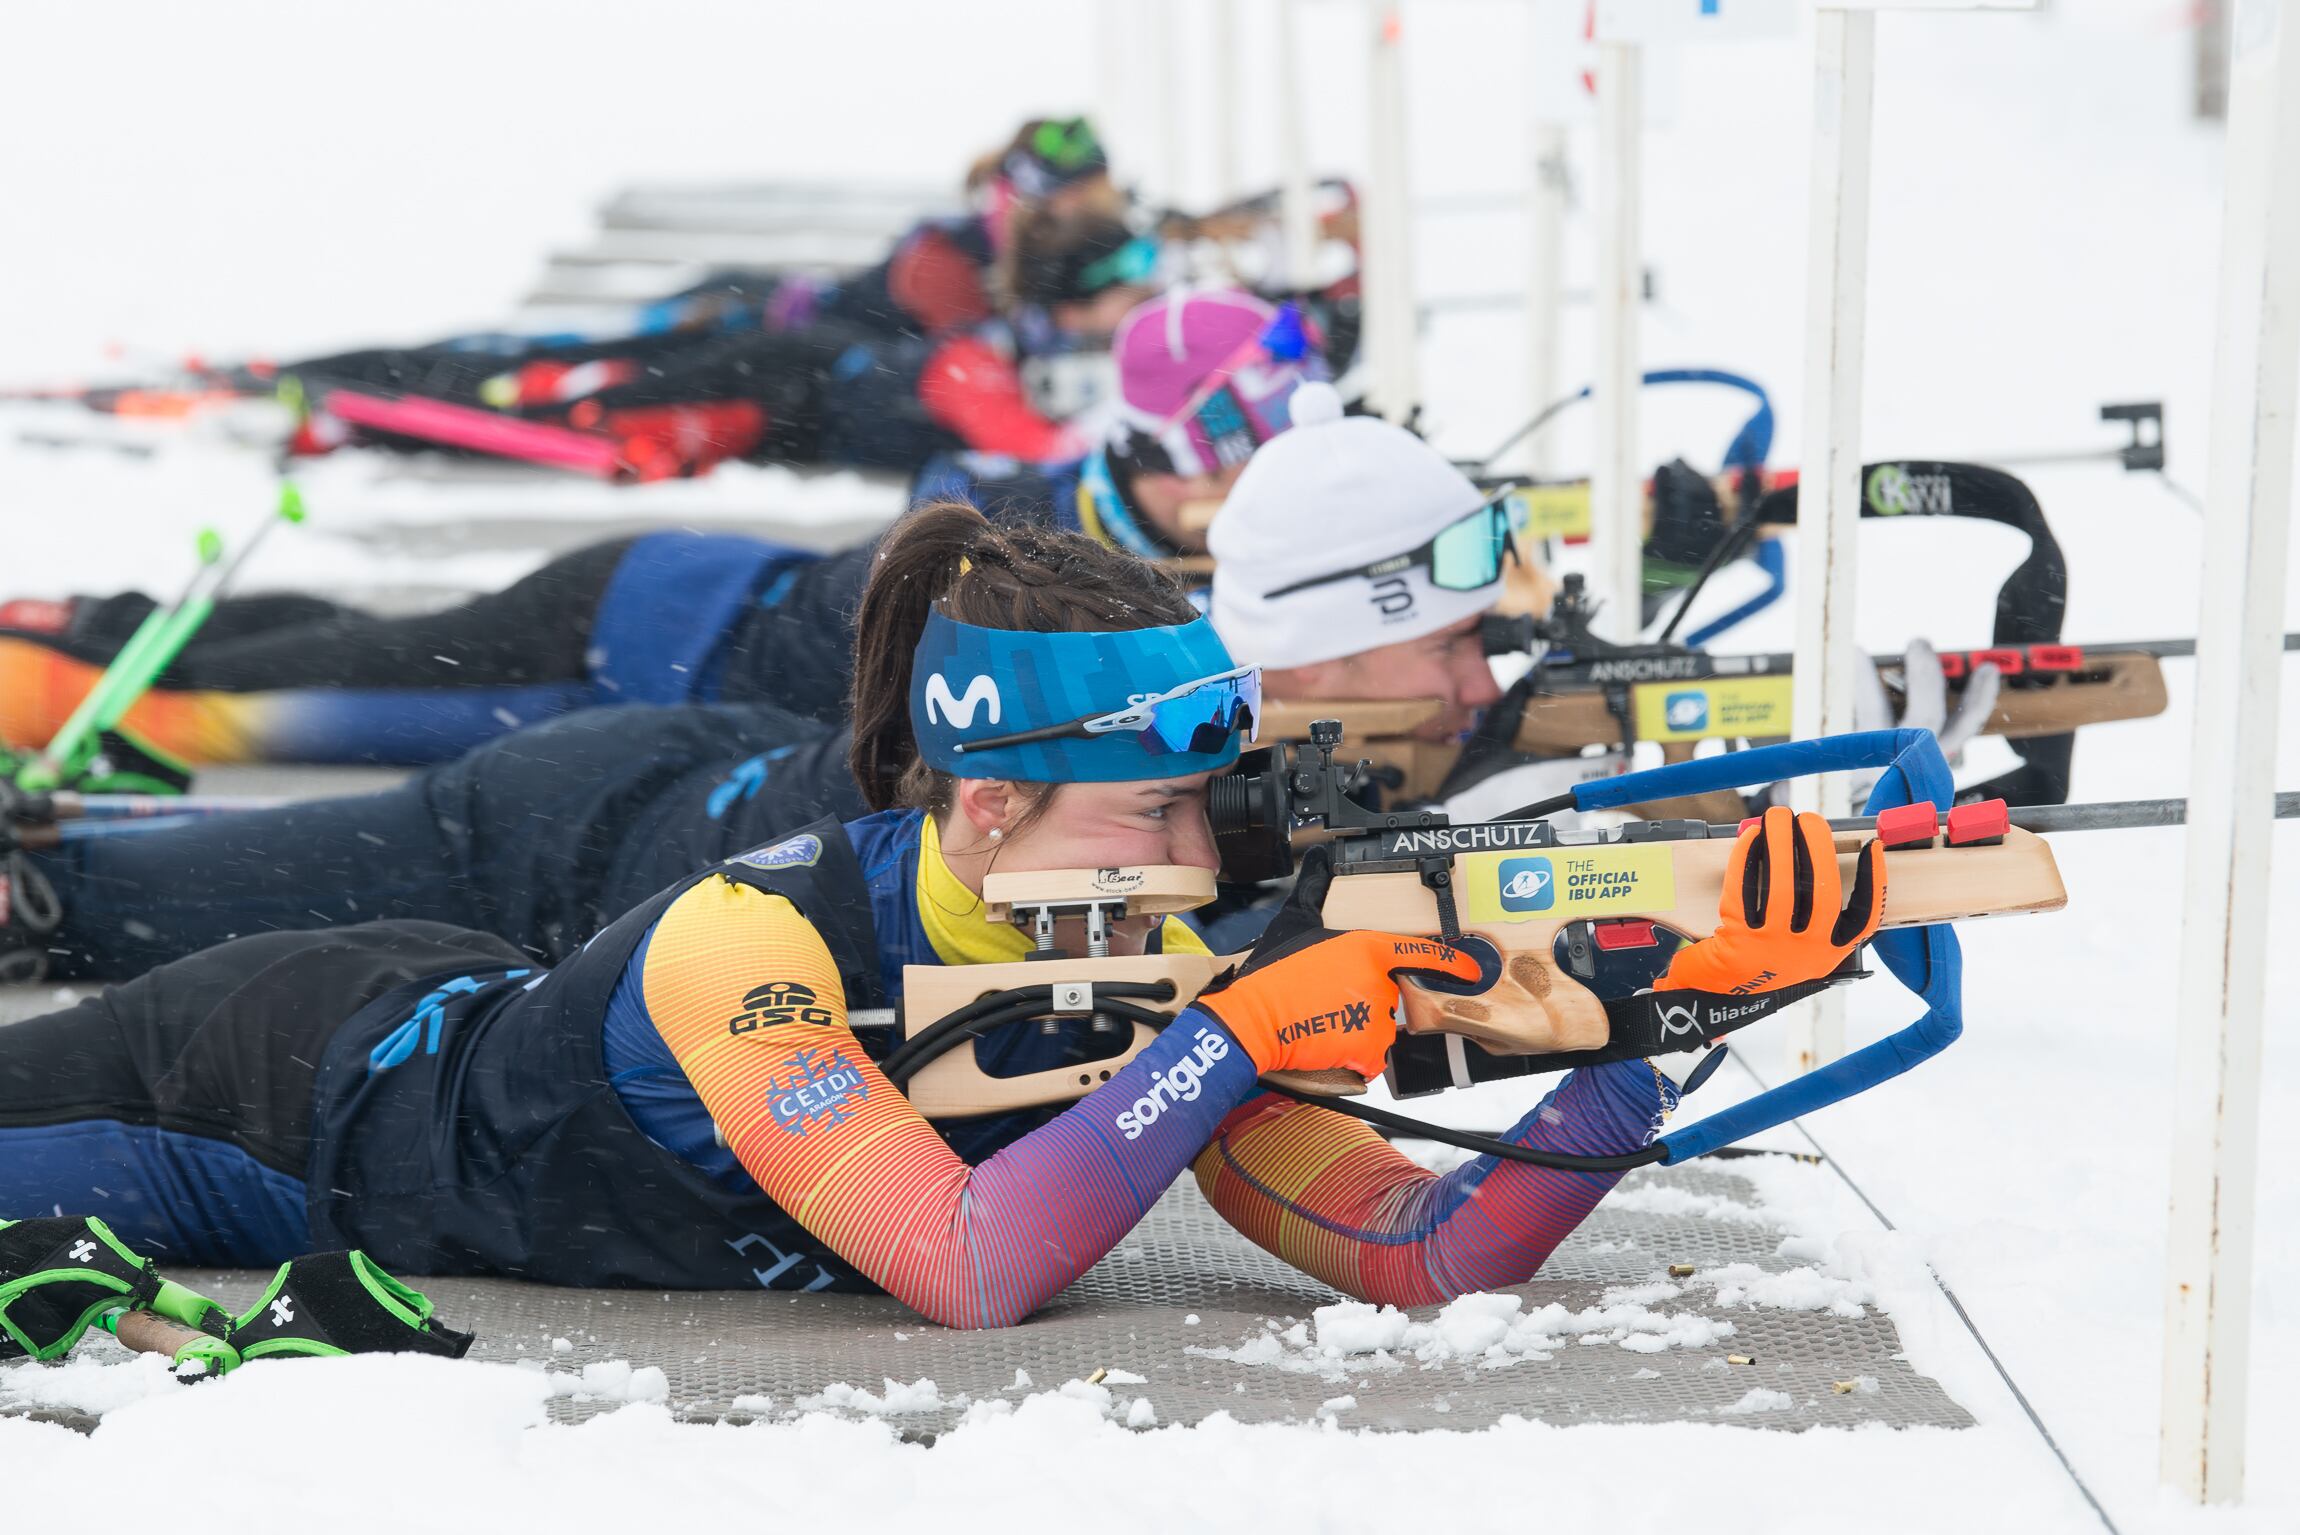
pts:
[1012, 703]
[959, 711]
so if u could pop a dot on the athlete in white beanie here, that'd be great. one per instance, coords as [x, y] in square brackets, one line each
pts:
[1352, 560]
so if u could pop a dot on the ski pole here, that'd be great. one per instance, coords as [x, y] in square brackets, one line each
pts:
[195, 1355]
[49, 768]
[200, 604]
[156, 643]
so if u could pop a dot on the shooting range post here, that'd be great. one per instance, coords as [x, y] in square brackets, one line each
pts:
[2224, 930]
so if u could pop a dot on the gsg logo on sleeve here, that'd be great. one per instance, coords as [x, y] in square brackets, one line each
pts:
[1527, 884]
[982, 692]
[1686, 711]
[777, 1003]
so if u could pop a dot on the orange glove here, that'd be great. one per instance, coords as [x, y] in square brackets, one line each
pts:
[1779, 884]
[1311, 999]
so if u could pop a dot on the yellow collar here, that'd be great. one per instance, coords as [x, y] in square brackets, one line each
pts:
[952, 914]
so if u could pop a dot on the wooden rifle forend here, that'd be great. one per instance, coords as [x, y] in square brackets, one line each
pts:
[2109, 685]
[1516, 900]
[1537, 1008]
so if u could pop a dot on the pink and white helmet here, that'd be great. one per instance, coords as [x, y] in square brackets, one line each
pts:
[1207, 375]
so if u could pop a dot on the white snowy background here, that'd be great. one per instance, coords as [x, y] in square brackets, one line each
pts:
[241, 177]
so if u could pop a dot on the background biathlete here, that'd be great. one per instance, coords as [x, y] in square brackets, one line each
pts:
[666, 618]
[553, 831]
[683, 1104]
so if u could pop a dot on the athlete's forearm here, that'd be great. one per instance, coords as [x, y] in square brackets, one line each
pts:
[1332, 1198]
[990, 1246]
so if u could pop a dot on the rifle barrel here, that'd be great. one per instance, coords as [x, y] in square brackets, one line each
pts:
[2179, 647]
[2107, 815]
[2161, 649]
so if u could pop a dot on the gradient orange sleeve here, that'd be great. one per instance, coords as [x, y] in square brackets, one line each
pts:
[744, 991]
[1330, 1196]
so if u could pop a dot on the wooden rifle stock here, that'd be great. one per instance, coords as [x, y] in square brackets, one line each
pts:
[1518, 900]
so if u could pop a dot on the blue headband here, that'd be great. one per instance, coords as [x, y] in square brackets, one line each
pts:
[973, 684]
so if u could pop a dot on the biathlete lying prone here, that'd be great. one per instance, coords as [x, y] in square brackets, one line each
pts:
[686, 1091]
[545, 836]
[669, 618]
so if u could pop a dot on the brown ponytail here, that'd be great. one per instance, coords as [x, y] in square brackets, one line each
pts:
[1020, 577]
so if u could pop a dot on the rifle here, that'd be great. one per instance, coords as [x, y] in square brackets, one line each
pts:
[1569, 925]
[1588, 691]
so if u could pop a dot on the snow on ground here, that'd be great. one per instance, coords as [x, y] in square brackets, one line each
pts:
[2045, 237]
[384, 1444]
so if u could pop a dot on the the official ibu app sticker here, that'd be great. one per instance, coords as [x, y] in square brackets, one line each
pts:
[1527, 884]
[1687, 711]
[1606, 879]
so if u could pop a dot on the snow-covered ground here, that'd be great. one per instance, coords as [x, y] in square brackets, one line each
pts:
[256, 177]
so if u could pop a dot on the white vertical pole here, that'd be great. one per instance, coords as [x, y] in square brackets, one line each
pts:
[1616, 488]
[1229, 183]
[1173, 158]
[1112, 103]
[1829, 488]
[1545, 284]
[2223, 954]
[1391, 324]
[1298, 215]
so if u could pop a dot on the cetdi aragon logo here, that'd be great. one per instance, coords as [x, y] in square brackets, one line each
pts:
[1527, 884]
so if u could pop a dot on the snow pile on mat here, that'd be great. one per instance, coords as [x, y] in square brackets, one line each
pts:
[1491, 1331]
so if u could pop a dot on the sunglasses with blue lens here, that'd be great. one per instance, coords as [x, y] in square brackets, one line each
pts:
[1197, 717]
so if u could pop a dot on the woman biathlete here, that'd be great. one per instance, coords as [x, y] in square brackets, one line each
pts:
[683, 1103]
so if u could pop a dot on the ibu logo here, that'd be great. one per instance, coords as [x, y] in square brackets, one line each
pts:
[1527, 884]
[1686, 711]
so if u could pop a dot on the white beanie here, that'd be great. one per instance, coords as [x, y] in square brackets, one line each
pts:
[1335, 493]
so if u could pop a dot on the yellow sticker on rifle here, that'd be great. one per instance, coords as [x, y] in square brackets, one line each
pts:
[1566, 883]
[1719, 706]
[1550, 511]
